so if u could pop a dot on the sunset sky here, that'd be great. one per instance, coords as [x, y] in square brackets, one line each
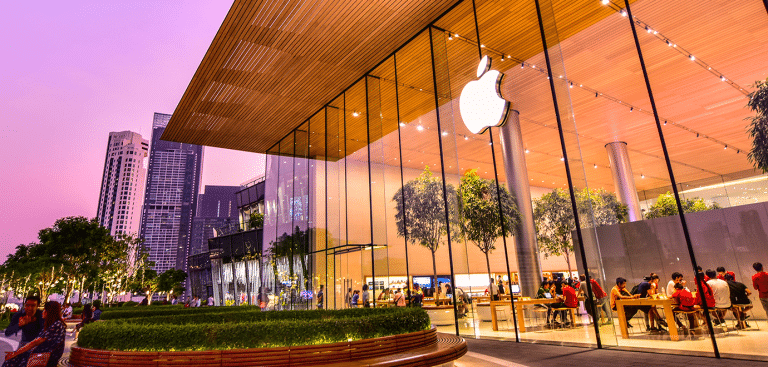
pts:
[74, 71]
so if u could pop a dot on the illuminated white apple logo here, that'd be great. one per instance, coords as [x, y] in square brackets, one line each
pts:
[481, 103]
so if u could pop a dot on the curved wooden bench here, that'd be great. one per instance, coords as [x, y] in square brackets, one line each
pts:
[395, 350]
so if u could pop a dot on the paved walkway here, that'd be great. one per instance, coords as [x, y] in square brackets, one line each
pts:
[492, 353]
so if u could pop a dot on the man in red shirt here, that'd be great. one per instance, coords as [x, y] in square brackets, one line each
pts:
[721, 273]
[760, 283]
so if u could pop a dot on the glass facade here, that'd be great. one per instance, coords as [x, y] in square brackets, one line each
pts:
[617, 109]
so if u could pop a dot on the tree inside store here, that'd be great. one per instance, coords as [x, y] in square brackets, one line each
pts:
[482, 220]
[666, 205]
[420, 213]
[554, 219]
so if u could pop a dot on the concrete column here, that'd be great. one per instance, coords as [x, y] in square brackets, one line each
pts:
[516, 170]
[623, 180]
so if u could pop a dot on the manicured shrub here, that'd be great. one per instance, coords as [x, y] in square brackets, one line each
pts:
[274, 330]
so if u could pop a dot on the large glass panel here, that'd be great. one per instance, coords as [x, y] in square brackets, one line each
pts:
[336, 198]
[299, 248]
[703, 109]
[391, 262]
[358, 189]
[317, 222]
[424, 207]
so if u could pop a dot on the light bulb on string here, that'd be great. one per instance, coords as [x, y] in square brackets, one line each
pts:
[693, 58]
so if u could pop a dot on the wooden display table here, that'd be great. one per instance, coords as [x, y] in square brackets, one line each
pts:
[667, 304]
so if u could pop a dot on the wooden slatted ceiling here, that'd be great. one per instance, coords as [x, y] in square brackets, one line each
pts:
[603, 57]
[274, 63]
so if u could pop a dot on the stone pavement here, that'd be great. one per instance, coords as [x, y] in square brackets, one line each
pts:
[493, 353]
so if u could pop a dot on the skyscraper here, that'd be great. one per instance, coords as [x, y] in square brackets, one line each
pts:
[122, 183]
[216, 208]
[170, 201]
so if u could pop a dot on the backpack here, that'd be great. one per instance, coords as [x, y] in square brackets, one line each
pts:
[635, 290]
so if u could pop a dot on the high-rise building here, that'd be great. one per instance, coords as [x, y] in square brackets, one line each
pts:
[216, 208]
[122, 183]
[170, 201]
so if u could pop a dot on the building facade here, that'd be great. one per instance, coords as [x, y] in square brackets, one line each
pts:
[122, 183]
[230, 267]
[216, 208]
[170, 201]
[509, 142]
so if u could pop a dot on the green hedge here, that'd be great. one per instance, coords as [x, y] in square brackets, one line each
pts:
[275, 331]
[229, 315]
[142, 311]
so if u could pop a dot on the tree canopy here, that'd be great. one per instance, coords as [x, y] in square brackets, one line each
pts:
[666, 205]
[554, 219]
[420, 212]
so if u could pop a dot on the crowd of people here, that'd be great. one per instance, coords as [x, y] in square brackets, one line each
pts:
[717, 291]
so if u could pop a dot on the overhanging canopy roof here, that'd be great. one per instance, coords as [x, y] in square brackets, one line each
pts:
[274, 63]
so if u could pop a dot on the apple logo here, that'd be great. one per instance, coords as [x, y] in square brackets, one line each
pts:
[481, 104]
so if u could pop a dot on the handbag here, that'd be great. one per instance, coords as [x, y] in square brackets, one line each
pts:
[38, 359]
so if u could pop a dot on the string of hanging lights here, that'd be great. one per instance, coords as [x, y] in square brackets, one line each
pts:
[684, 52]
[573, 84]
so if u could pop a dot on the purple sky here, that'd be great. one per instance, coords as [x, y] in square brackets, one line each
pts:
[74, 71]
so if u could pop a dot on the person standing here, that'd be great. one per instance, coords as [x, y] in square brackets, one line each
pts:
[398, 298]
[198, 301]
[320, 297]
[760, 283]
[366, 296]
[29, 320]
[494, 290]
[348, 298]
[46, 349]
[211, 301]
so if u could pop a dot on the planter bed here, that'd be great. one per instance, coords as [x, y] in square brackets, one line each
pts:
[421, 346]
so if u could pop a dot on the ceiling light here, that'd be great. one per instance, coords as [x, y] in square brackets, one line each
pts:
[693, 58]
[562, 159]
[450, 37]
[420, 128]
[642, 175]
[595, 166]
[355, 114]
[571, 85]
[456, 35]
[402, 124]
[502, 58]
[466, 138]
[722, 78]
[445, 133]
[482, 46]
[522, 65]
[605, 2]
[725, 147]
[623, 13]
[665, 122]
[527, 151]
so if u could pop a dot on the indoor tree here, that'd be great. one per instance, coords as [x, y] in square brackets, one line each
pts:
[758, 125]
[554, 219]
[666, 205]
[479, 213]
[420, 213]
